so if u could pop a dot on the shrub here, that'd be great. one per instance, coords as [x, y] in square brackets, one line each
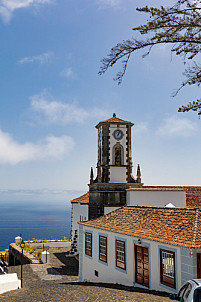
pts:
[38, 257]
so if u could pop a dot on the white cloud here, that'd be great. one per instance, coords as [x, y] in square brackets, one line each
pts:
[61, 113]
[111, 3]
[140, 128]
[42, 58]
[174, 126]
[13, 152]
[7, 7]
[67, 73]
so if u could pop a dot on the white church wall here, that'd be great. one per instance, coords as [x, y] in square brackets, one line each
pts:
[118, 174]
[79, 213]
[113, 142]
[109, 273]
[156, 198]
[108, 210]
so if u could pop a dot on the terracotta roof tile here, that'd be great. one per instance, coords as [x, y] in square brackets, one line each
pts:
[82, 199]
[176, 226]
[114, 120]
[143, 188]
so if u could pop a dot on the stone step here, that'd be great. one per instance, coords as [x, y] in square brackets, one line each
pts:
[35, 261]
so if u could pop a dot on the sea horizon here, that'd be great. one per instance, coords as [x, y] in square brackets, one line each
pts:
[35, 214]
[34, 220]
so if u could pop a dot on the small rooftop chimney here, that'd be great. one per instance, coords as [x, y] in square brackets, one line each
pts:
[114, 114]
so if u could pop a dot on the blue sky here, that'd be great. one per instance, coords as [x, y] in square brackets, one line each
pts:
[51, 97]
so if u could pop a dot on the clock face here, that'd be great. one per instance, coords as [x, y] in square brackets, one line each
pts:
[118, 134]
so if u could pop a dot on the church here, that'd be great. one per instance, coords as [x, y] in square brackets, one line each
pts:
[129, 233]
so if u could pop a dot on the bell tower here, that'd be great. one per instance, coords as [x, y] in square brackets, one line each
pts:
[114, 166]
[114, 151]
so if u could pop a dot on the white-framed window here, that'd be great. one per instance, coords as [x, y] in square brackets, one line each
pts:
[120, 254]
[167, 268]
[103, 248]
[88, 244]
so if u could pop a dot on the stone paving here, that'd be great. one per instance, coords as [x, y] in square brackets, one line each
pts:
[58, 281]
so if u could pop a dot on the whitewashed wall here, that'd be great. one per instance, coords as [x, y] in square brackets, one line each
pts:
[79, 213]
[113, 142]
[118, 174]
[9, 282]
[156, 198]
[108, 273]
[108, 210]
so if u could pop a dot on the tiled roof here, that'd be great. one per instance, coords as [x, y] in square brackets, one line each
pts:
[114, 120]
[193, 197]
[145, 188]
[193, 194]
[178, 226]
[82, 199]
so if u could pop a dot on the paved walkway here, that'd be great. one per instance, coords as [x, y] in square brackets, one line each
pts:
[58, 282]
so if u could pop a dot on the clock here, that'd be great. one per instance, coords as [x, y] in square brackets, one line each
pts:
[118, 134]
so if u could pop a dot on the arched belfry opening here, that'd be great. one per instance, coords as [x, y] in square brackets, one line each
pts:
[118, 155]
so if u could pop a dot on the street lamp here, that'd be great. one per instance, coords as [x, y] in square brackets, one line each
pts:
[22, 248]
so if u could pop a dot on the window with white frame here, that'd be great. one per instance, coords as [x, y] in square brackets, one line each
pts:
[103, 248]
[88, 244]
[120, 254]
[167, 263]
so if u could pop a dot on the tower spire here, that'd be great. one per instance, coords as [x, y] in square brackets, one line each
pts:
[138, 174]
[91, 176]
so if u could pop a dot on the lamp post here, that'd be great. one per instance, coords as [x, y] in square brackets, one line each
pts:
[22, 249]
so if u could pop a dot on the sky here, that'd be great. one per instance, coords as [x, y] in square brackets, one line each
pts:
[51, 98]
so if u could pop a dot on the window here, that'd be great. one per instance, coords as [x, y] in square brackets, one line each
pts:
[120, 254]
[88, 244]
[167, 261]
[197, 294]
[103, 248]
[187, 293]
[181, 291]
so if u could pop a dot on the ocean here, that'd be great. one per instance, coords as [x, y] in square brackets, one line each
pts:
[38, 220]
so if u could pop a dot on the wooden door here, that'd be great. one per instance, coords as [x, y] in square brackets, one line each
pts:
[142, 265]
[198, 265]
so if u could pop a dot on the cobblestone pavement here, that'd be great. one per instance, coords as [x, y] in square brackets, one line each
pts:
[58, 282]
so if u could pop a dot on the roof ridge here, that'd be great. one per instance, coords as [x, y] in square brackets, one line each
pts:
[171, 186]
[195, 227]
[162, 208]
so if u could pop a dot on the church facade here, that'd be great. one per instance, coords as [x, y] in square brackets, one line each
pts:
[121, 226]
[107, 191]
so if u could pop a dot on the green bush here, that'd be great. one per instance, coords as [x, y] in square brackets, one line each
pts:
[38, 257]
[31, 250]
[45, 240]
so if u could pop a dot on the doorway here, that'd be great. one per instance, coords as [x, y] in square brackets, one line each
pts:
[141, 265]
